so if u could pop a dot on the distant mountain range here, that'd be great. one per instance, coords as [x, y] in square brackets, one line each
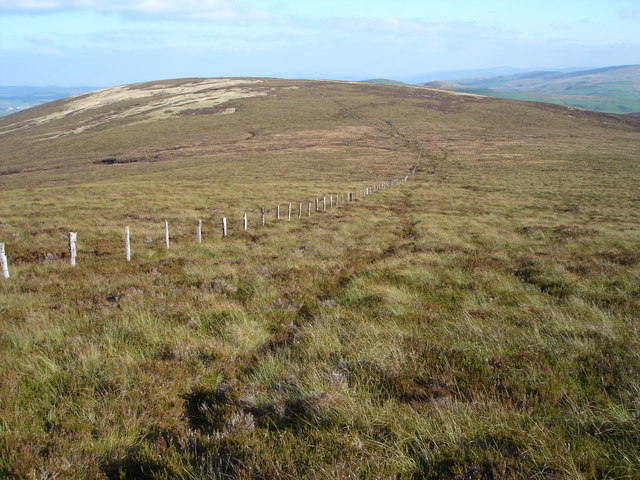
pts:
[610, 89]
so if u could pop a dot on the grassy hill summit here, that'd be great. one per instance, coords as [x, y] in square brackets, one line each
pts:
[478, 321]
[610, 89]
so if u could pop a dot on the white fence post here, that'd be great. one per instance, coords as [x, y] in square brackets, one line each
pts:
[330, 201]
[262, 216]
[127, 243]
[199, 232]
[224, 227]
[324, 203]
[4, 261]
[316, 205]
[245, 223]
[300, 211]
[289, 213]
[73, 251]
[278, 212]
[309, 210]
[166, 234]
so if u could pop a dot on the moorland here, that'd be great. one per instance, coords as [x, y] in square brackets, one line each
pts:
[479, 321]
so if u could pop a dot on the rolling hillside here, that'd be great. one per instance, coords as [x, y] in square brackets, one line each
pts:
[477, 321]
[611, 89]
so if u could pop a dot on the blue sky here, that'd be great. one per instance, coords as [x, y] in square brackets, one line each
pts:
[110, 42]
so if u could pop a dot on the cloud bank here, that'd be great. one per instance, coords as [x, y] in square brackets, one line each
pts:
[175, 9]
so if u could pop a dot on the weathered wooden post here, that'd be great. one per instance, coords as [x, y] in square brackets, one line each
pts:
[309, 210]
[4, 262]
[262, 216]
[127, 243]
[289, 213]
[73, 251]
[245, 222]
[330, 201]
[278, 212]
[224, 227]
[166, 234]
[317, 205]
[199, 231]
[324, 203]
[300, 211]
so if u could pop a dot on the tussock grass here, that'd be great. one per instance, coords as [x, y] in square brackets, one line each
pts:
[479, 321]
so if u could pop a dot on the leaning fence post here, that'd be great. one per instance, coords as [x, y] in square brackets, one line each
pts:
[262, 216]
[245, 223]
[4, 262]
[199, 231]
[166, 234]
[73, 251]
[127, 243]
[224, 227]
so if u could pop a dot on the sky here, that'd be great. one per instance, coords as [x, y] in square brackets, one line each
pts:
[114, 42]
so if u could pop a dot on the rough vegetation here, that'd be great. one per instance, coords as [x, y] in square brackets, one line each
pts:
[477, 322]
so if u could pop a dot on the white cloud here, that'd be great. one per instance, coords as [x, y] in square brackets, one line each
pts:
[177, 9]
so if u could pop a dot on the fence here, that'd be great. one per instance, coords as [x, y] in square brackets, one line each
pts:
[321, 204]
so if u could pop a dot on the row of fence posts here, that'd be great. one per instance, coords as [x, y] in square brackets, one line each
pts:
[352, 196]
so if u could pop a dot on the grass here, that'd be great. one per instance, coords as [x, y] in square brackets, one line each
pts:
[479, 321]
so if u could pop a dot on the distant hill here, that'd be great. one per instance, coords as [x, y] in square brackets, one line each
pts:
[16, 98]
[384, 81]
[610, 89]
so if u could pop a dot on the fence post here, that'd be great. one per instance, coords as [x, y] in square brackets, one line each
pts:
[316, 205]
[309, 210]
[289, 213]
[278, 212]
[73, 251]
[324, 203]
[166, 234]
[330, 201]
[199, 231]
[245, 223]
[300, 211]
[127, 243]
[4, 262]
[262, 216]
[224, 227]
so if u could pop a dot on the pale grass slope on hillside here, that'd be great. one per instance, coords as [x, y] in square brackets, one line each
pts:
[156, 102]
